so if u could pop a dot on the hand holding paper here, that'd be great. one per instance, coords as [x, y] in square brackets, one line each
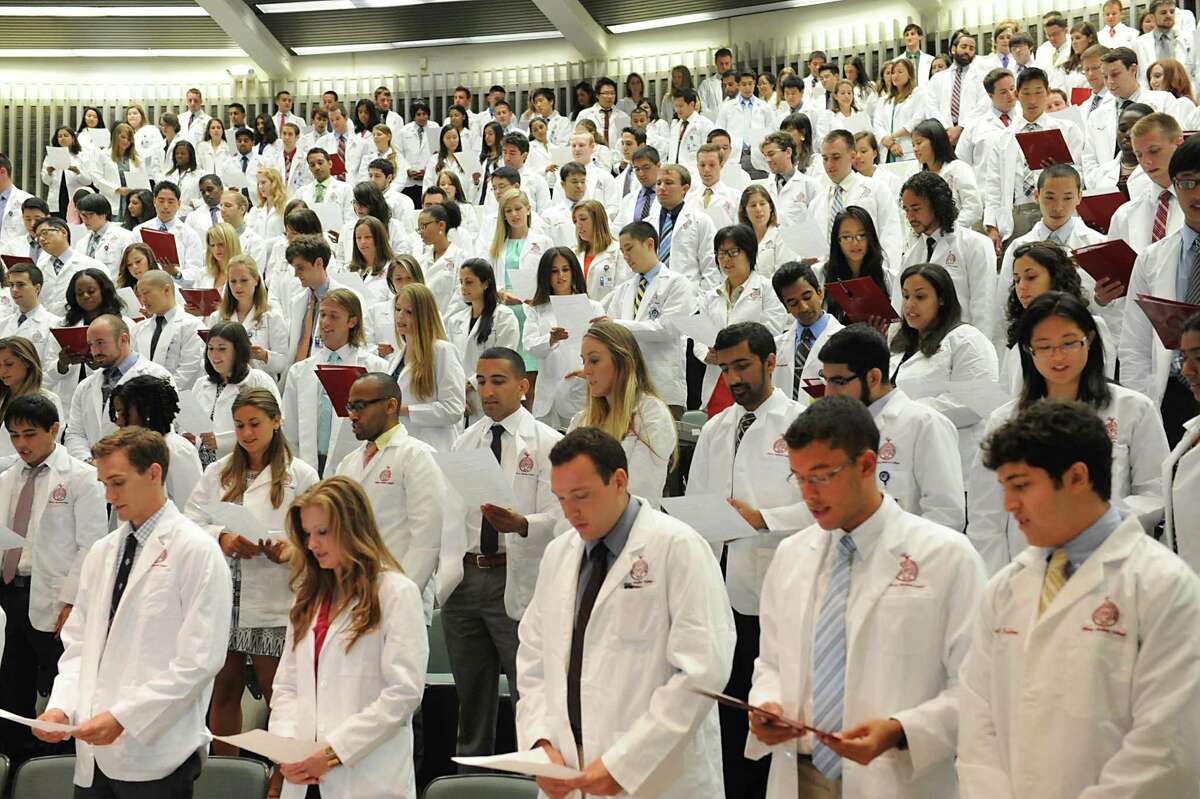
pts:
[274, 747]
[573, 313]
[534, 762]
[476, 475]
[239, 519]
[36, 724]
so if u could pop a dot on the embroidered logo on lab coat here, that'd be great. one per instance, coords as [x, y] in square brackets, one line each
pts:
[655, 311]
[1110, 425]
[639, 574]
[525, 465]
[888, 451]
[756, 294]
[779, 447]
[161, 560]
[59, 494]
[908, 570]
[950, 259]
[385, 477]
[1105, 617]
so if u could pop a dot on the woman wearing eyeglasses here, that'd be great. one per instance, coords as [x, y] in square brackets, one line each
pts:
[855, 251]
[1061, 359]
[756, 210]
[1181, 470]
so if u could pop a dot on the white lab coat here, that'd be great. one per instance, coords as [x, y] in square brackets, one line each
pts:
[113, 239]
[355, 147]
[67, 518]
[1101, 132]
[435, 420]
[296, 308]
[662, 346]
[180, 349]
[362, 699]
[169, 638]
[979, 133]
[970, 258]
[336, 193]
[75, 180]
[1145, 362]
[268, 330]
[185, 472]
[1133, 223]
[649, 446]
[999, 179]
[773, 252]
[87, 419]
[441, 275]
[1181, 495]
[525, 460]
[682, 143]
[188, 245]
[648, 645]
[785, 356]
[54, 287]
[1139, 448]
[462, 331]
[265, 598]
[1105, 672]
[758, 476]
[218, 401]
[692, 255]
[939, 93]
[756, 303]
[607, 271]
[870, 195]
[1146, 47]
[12, 226]
[905, 639]
[36, 330]
[302, 394]
[557, 398]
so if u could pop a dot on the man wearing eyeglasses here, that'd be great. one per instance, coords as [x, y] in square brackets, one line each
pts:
[1168, 269]
[740, 454]
[869, 592]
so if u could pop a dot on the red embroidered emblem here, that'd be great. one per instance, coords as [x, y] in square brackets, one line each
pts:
[779, 447]
[386, 475]
[59, 494]
[1110, 425]
[888, 451]
[1107, 615]
[908, 570]
[526, 463]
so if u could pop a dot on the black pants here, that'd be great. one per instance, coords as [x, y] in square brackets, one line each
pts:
[1178, 405]
[176, 785]
[29, 666]
[694, 369]
[744, 778]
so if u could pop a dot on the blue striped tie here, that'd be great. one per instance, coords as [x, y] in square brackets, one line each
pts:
[664, 239]
[829, 660]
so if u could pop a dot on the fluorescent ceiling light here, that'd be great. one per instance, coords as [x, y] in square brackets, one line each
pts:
[121, 53]
[359, 48]
[102, 11]
[302, 6]
[708, 16]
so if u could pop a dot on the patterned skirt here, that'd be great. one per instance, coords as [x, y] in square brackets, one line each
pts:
[267, 641]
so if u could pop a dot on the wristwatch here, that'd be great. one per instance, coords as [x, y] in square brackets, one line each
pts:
[331, 757]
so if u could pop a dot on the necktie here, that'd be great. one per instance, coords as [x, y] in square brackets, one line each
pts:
[779, 181]
[304, 346]
[1193, 284]
[162, 227]
[21, 319]
[420, 135]
[282, 121]
[1096, 98]
[319, 192]
[599, 570]
[1112, 32]
[35, 250]
[325, 413]
[837, 206]
[829, 658]
[58, 265]
[1004, 60]
[127, 555]
[643, 204]
[743, 426]
[679, 144]
[667, 229]
[607, 113]
[245, 163]
[112, 376]
[956, 94]
[159, 323]
[214, 211]
[489, 539]
[930, 246]
[370, 453]
[93, 243]
[707, 196]
[21, 516]
[640, 295]
[1004, 118]
[1164, 46]
[628, 179]
[1160, 215]
[1056, 578]
[803, 348]
[1027, 181]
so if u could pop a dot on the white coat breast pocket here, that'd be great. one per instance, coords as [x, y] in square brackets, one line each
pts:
[1099, 654]
[1120, 469]
[897, 483]
[155, 592]
[906, 620]
[637, 611]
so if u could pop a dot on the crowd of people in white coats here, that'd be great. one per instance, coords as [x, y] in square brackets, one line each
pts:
[932, 539]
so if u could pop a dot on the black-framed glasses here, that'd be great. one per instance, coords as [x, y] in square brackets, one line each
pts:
[1187, 184]
[839, 381]
[358, 406]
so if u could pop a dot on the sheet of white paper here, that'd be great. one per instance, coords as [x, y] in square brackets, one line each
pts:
[1144, 504]
[129, 297]
[718, 213]
[698, 327]
[1071, 113]
[523, 282]
[469, 163]
[352, 281]
[78, 234]
[233, 176]
[574, 313]
[58, 157]
[45, 726]
[275, 747]
[192, 418]
[101, 137]
[710, 515]
[330, 215]
[559, 154]
[805, 239]
[9, 539]
[734, 176]
[238, 519]
[533, 762]
[476, 476]
[137, 178]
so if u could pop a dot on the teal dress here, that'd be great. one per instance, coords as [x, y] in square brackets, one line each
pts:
[513, 248]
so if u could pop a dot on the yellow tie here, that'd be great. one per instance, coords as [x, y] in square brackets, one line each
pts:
[708, 193]
[1056, 578]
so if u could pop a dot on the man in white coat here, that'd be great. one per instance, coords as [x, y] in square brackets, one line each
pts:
[981, 129]
[709, 91]
[189, 247]
[629, 603]
[918, 458]
[1164, 42]
[30, 320]
[59, 262]
[106, 240]
[718, 199]
[341, 141]
[1120, 68]
[685, 233]
[643, 304]
[956, 94]
[493, 553]
[168, 336]
[309, 258]
[689, 129]
[846, 187]
[608, 119]
[324, 188]
[158, 590]
[1086, 641]
[799, 290]
[55, 503]
[914, 41]
[740, 454]
[866, 617]
[193, 123]
[641, 203]
[12, 226]
[791, 190]
[116, 362]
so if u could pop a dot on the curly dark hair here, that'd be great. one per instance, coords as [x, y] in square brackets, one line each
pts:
[154, 398]
[936, 190]
[1063, 277]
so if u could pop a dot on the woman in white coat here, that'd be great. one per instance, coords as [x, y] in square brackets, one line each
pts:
[353, 667]
[933, 150]
[515, 247]
[1061, 359]
[622, 401]
[440, 258]
[212, 151]
[561, 394]
[756, 210]
[61, 184]
[445, 158]
[428, 370]
[110, 168]
[270, 203]
[597, 250]
[745, 296]
[262, 476]
[931, 348]
[245, 301]
[480, 323]
[381, 317]
[228, 372]
[147, 137]
[899, 111]
[1181, 471]
[185, 173]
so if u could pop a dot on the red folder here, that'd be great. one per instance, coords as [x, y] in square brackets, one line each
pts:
[163, 245]
[206, 299]
[337, 379]
[203, 334]
[814, 388]
[12, 260]
[1097, 209]
[1109, 260]
[338, 170]
[1043, 148]
[1080, 96]
[1167, 316]
[861, 299]
[71, 338]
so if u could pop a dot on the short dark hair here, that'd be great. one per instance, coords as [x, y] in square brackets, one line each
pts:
[166, 185]
[638, 134]
[1031, 74]
[992, 78]
[35, 204]
[1126, 55]
[646, 153]
[143, 447]
[724, 51]
[742, 236]
[599, 447]
[52, 221]
[1053, 436]
[640, 231]
[25, 268]
[36, 409]
[310, 248]
[841, 422]
[573, 168]
[687, 95]
[761, 342]
[790, 272]
[859, 346]
[506, 354]
[1186, 157]
[509, 173]
[1059, 171]
[95, 203]
[842, 135]
[516, 139]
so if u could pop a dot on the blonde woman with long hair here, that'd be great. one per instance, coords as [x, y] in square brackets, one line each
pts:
[597, 249]
[899, 111]
[262, 475]
[622, 401]
[382, 147]
[428, 370]
[270, 202]
[21, 374]
[245, 301]
[515, 246]
[355, 613]
[110, 169]
[381, 317]
[221, 244]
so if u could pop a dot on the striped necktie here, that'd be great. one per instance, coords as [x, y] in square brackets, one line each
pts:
[829, 658]
[743, 426]
[803, 348]
[1056, 578]
[1160, 216]
[640, 295]
[666, 231]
